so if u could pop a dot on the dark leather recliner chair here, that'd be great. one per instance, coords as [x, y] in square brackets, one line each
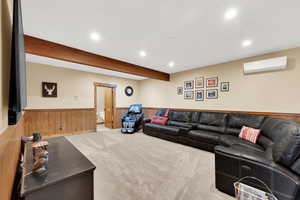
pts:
[132, 120]
[274, 159]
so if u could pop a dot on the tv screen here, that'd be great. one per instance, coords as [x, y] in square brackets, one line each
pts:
[17, 89]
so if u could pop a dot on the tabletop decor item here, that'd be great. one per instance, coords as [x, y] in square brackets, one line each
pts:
[40, 154]
[37, 137]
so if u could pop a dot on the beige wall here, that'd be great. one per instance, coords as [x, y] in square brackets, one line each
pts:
[277, 91]
[75, 88]
[5, 43]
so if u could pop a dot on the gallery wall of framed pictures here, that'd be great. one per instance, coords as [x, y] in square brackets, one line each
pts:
[202, 88]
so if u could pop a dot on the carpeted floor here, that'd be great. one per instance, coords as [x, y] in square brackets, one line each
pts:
[141, 167]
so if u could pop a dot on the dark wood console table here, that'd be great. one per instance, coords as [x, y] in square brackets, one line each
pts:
[70, 174]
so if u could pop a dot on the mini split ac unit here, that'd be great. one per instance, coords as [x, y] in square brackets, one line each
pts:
[266, 65]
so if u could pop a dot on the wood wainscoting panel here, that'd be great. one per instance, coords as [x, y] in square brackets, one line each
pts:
[150, 111]
[118, 114]
[57, 122]
[10, 147]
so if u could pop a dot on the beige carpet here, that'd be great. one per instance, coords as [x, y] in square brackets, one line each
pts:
[141, 167]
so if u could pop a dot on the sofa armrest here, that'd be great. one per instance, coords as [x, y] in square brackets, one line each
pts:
[147, 120]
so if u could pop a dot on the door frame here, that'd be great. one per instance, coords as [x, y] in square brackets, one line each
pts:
[113, 87]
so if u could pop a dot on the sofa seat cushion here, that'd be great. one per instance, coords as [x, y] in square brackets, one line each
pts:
[171, 130]
[204, 136]
[245, 153]
[229, 140]
[218, 129]
[180, 124]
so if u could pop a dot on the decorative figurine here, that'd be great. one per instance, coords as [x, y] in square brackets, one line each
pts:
[40, 154]
[37, 137]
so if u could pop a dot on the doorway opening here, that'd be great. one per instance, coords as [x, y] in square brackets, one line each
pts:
[104, 98]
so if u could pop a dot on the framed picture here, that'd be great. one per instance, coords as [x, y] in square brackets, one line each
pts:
[49, 89]
[180, 90]
[212, 82]
[189, 95]
[188, 85]
[199, 95]
[212, 94]
[224, 86]
[199, 82]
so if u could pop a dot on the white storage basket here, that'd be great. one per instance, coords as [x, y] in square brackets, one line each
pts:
[246, 192]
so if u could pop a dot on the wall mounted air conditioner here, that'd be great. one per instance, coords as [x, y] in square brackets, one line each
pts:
[266, 65]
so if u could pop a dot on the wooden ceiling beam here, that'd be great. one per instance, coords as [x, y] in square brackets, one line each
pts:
[40, 47]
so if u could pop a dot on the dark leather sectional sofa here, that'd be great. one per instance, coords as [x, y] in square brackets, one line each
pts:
[274, 159]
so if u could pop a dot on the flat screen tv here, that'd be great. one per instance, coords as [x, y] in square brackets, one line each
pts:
[17, 87]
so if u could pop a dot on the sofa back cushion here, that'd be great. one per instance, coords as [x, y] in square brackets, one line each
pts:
[237, 120]
[211, 121]
[180, 116]
[195, 117]
[161, 112]
[286, 137]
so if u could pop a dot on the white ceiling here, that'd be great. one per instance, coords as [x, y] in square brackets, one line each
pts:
[191, 33]
[75, 66]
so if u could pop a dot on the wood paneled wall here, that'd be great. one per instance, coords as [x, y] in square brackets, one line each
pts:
[10, 146]
[149, 111]
[57, 122]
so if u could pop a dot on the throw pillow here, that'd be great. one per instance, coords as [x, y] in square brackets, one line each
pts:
[249, 134]
[160, 120]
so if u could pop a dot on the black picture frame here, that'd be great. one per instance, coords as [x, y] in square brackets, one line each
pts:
[208, 95]
[196, 95]
[224, 87]
[189, 95]
[179, 90]
[49, 89]
[189, 85]
[198, 80]
[216, 79]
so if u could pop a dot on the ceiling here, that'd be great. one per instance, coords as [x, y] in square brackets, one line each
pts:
[192, 34]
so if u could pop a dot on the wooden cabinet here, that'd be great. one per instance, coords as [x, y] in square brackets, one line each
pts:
[69, 177]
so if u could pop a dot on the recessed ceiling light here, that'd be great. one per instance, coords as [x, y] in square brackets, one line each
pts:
[143, 53]
[95, 36]
[230, 14]
[171, 64]
[247, 43]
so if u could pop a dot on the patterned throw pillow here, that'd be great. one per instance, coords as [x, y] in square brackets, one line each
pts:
[250, 134]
